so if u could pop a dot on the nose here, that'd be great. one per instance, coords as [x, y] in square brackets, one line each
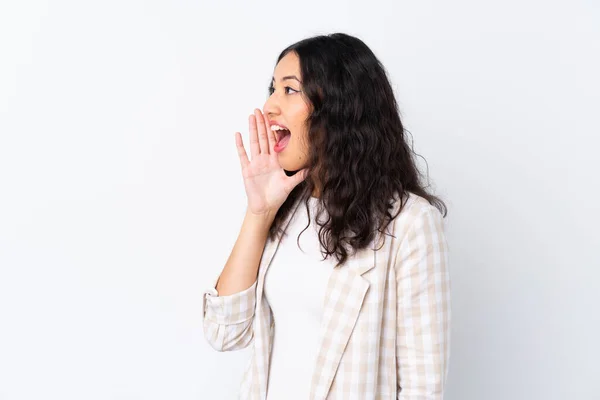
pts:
[271, 107]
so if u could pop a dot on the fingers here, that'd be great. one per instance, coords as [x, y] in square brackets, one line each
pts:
[254, 144]
[262, 132]
[241, 150]
[270, 135]
[262, 138]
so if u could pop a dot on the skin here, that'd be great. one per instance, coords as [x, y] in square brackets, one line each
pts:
[288, 106]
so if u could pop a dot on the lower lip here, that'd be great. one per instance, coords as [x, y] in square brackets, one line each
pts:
[279, 146]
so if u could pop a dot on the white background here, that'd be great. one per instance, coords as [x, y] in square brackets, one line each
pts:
[121, 194]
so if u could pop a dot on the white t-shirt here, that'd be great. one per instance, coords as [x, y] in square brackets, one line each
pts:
[295, 285]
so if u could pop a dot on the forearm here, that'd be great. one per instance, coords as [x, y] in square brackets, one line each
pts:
[241, 268]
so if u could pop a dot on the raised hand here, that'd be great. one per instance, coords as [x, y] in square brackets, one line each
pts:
[267, 186]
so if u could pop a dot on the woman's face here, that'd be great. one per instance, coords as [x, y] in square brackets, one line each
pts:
[286, 106]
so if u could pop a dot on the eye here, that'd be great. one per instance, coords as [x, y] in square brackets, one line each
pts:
[272, 89]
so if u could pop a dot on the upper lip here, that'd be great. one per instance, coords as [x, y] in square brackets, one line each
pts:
[271, 123]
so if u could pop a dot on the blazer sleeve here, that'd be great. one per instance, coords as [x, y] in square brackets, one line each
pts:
[227, 320]
[423, 309]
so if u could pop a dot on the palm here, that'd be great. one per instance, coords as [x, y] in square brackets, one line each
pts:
[264, 183]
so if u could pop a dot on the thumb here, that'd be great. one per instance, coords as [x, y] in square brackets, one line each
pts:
[299, 176]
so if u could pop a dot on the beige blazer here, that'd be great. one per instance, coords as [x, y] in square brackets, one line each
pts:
[385, 332]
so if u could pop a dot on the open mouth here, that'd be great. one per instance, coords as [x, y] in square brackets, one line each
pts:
[283, 138]
[282, 134]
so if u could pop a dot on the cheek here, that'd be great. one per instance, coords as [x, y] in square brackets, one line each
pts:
[299, 114]
[301, 144]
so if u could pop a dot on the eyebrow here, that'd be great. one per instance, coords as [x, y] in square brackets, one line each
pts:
[287, 77]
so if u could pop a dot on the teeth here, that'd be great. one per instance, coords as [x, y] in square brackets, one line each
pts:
[277, 128]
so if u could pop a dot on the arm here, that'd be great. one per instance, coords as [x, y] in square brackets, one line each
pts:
[228, 305]
[423, 320]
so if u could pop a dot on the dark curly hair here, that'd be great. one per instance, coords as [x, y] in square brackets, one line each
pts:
[358, 155]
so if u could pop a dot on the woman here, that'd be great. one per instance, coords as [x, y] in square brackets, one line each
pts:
[361, 308]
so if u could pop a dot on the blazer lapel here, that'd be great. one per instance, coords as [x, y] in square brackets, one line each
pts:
[346, 290]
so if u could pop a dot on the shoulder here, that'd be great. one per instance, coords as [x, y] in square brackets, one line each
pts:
[416, 212]
[414, 207]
